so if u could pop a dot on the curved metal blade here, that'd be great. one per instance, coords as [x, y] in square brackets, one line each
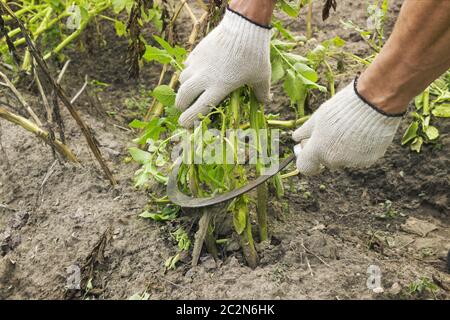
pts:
[179, 198]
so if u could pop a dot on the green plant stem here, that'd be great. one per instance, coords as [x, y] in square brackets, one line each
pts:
[246, 237]
[426, 102]
[204, 233]
[309, 19]
[330, 77]
[262, 192]
[26, 64]
[37, 34]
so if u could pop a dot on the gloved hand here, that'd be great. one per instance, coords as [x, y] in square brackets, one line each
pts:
[346, 131]
[235, 53]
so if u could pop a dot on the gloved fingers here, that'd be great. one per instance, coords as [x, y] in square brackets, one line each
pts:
[188, 92]
[305, 131]
[262, 91]
[186, 74]
[307, 158]
[204, 103]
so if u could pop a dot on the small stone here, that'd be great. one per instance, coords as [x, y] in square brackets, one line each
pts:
[378, 290]
[233, 245]
[395, 289]
[6, 269]
[208, 263]
[417, 226]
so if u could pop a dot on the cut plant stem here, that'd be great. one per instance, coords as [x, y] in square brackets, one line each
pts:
[204, 233]
[41, 134]
[284, 124]
[248, 246]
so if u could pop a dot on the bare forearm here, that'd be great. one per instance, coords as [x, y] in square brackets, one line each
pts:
[259, 11]
[417, 52]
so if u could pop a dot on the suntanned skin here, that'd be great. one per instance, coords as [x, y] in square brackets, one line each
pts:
[259, 11]
[416, 53]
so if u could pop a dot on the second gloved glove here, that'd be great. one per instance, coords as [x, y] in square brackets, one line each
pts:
[346, 131]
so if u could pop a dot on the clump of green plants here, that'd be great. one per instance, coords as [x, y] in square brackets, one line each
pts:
[422, 286]
[431, 104]
[373, 33]
[216, 138]
[57, 24]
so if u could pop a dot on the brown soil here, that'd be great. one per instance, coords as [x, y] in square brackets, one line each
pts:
[325, 233]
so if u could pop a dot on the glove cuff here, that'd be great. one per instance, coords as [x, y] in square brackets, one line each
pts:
[244, 30]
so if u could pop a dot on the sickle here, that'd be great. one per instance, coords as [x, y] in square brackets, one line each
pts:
[179, 198]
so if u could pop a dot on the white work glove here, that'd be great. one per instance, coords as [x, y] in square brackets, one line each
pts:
[346, 131]
[235, 53]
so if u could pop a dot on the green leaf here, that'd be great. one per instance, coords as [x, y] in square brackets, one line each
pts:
[158, 55]
[240, 218]
[295, 58]
[289, 9]
[432, 132]
[277, 70]
[152, 130]
[165, 95]
[121, 28]
[442, 111]
[139, 155]
[410, 133]
[416, 145]
[176, 52]
[306, 71]
[119, 5]
[292, 86]
[338, 42]
[138, 124]
[418, 101]
[284, 32]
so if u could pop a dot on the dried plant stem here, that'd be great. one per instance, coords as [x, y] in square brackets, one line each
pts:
[21, 99]
[41, 134]
[62, 95]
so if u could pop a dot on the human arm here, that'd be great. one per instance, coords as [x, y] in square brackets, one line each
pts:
[355, 127]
